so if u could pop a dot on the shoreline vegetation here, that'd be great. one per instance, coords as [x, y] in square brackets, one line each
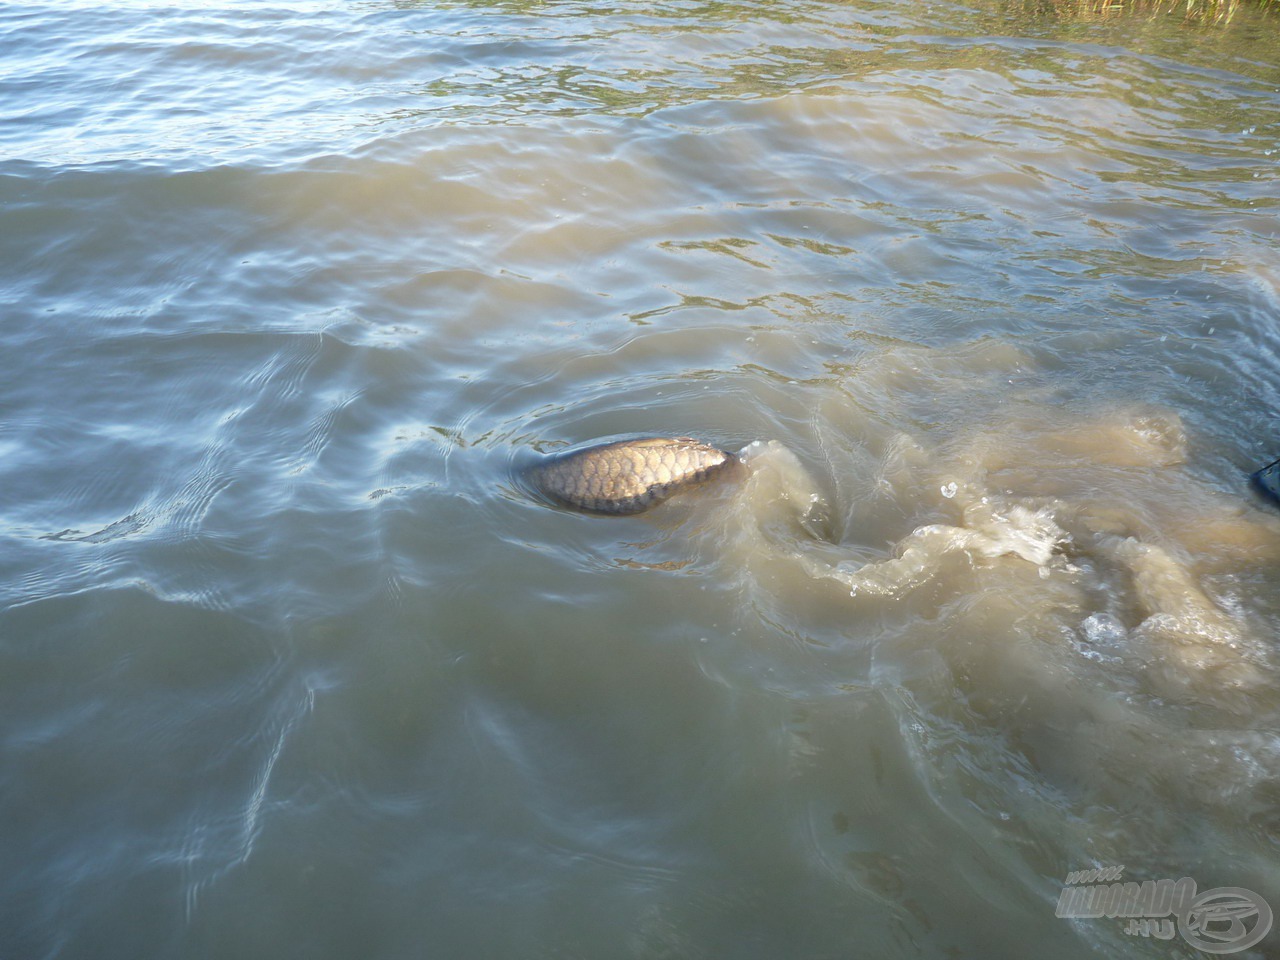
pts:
[1198, 11]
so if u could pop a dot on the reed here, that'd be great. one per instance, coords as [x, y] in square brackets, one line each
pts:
[1200, 11]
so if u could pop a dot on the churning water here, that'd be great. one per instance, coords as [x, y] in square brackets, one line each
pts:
[290, 666]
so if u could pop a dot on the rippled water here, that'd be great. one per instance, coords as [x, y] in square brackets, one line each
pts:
[291, 666]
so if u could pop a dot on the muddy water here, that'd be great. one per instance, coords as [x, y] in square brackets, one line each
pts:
[290, 665]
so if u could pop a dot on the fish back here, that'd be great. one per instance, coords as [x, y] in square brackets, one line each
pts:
[630, 476]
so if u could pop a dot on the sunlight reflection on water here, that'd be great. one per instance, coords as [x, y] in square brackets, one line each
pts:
[291, 664]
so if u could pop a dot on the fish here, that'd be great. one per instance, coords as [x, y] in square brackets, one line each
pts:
[625, 477]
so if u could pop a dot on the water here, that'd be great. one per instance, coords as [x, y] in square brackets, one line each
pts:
[290, 666]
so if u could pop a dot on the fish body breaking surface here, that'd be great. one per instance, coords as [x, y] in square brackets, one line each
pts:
[630, 476]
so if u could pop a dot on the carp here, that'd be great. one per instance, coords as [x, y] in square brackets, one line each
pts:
[630, 476]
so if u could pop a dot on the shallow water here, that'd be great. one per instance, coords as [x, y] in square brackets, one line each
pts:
[290, 665]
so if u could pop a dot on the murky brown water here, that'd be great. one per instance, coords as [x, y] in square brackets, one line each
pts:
[290, 665]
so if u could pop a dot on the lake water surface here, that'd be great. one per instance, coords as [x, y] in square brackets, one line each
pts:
[290, 666]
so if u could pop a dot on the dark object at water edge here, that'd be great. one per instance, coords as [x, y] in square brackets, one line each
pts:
[629, 476]
[1267, 481]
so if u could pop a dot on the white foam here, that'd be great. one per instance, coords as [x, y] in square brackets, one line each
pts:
[989, 533]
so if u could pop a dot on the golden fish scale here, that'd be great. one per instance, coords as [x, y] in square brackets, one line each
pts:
[630, 475]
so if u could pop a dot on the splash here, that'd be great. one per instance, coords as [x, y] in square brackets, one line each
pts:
[1091, 531]
[989, 533]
